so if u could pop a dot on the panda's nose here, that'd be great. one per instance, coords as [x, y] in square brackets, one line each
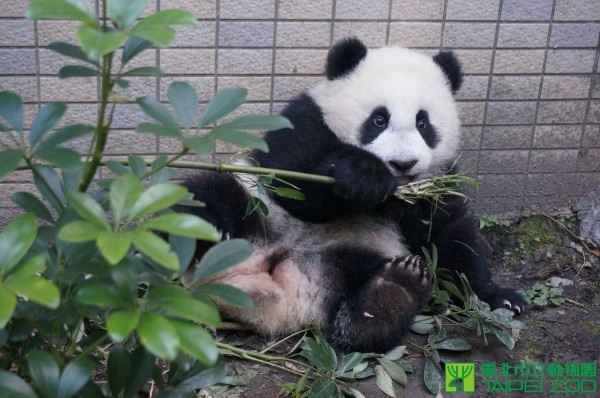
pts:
[403, 166]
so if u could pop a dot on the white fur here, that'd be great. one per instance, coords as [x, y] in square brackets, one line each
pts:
[405, 82]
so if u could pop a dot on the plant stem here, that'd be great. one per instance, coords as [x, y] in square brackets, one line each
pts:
[102, 127]
[168, 163]
[234, 168]
[284, 340]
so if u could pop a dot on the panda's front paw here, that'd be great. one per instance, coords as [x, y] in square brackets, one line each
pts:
[364, 185]
[505, 298]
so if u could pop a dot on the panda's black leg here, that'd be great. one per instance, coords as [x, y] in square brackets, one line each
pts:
[375, 316]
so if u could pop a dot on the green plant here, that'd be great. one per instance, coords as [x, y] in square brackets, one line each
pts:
[542, 294]
[487, 221]
[86, 284]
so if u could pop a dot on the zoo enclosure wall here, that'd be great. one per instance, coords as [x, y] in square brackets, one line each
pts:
[530, 102]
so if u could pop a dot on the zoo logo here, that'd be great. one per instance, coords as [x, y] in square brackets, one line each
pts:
[465, 372]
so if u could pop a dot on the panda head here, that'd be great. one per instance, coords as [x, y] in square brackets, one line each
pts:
[395, 103]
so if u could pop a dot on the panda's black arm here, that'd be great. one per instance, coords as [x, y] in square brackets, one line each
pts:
[454, 233]
[362, 179]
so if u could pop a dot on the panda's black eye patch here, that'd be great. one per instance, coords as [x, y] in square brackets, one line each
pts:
[373, 126]
[426, 129]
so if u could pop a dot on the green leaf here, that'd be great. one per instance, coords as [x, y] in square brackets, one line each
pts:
[432, 377]
[71, 51]
[49, 185]
[118, 369]
[63, 158]
[75, 375]
[203, 146]
[395, 371]
[12, 386]
[504, 337]
[79, 10]
[44, 371]
[121, 323]
[453, 345]
[156, 27]
[157, 197]
[125, 13]
[182, 224]
[191, 309]
[324, 387]
[138, 165]
[100, 296]
[384, 381]
[89, 209]
[228, 293]
[395, 353]
[289, 193]
[158, 336]
[239, 138]
[11, 109]
[158, 129]
[80, 231]
[184, 100]
[142, 364]
[196, 341]
[117, 167]
[9, 303]
[45, 119]
[222, 256]
[113, 245]
[37, 289]
[65, 134]
[160, 113]
[9, 161]
[319, 354]
[15, 241]
[145, 70]
[222, 104]
[76, 71]
[134, 46]
[28, 268]
[96, 43]
[349, 362]
[124, 192]
[124, 84]
[156, 249]
[205, 378]
[185, 248]
[259, 122]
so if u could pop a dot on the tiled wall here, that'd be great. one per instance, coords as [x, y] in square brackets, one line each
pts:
[530, 104]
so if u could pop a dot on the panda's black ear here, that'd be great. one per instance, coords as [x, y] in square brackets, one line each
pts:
[451, 68]
[344, 57]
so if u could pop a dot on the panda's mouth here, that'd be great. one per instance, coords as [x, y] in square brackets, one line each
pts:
[404, 180]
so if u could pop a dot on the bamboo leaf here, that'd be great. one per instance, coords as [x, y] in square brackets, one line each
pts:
[11, 110]
[158, 336]
[222, 104]
[222, 256]
[15, 240]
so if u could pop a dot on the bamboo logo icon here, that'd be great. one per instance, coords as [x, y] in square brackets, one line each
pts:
[465, 372]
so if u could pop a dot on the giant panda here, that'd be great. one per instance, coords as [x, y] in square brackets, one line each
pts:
[349, 256]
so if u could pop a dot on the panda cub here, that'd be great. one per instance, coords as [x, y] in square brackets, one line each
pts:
[349, 256]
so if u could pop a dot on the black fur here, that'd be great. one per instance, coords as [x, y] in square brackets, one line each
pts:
[373, 125]
[426, 129]
[451, 67]
[344, 57]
